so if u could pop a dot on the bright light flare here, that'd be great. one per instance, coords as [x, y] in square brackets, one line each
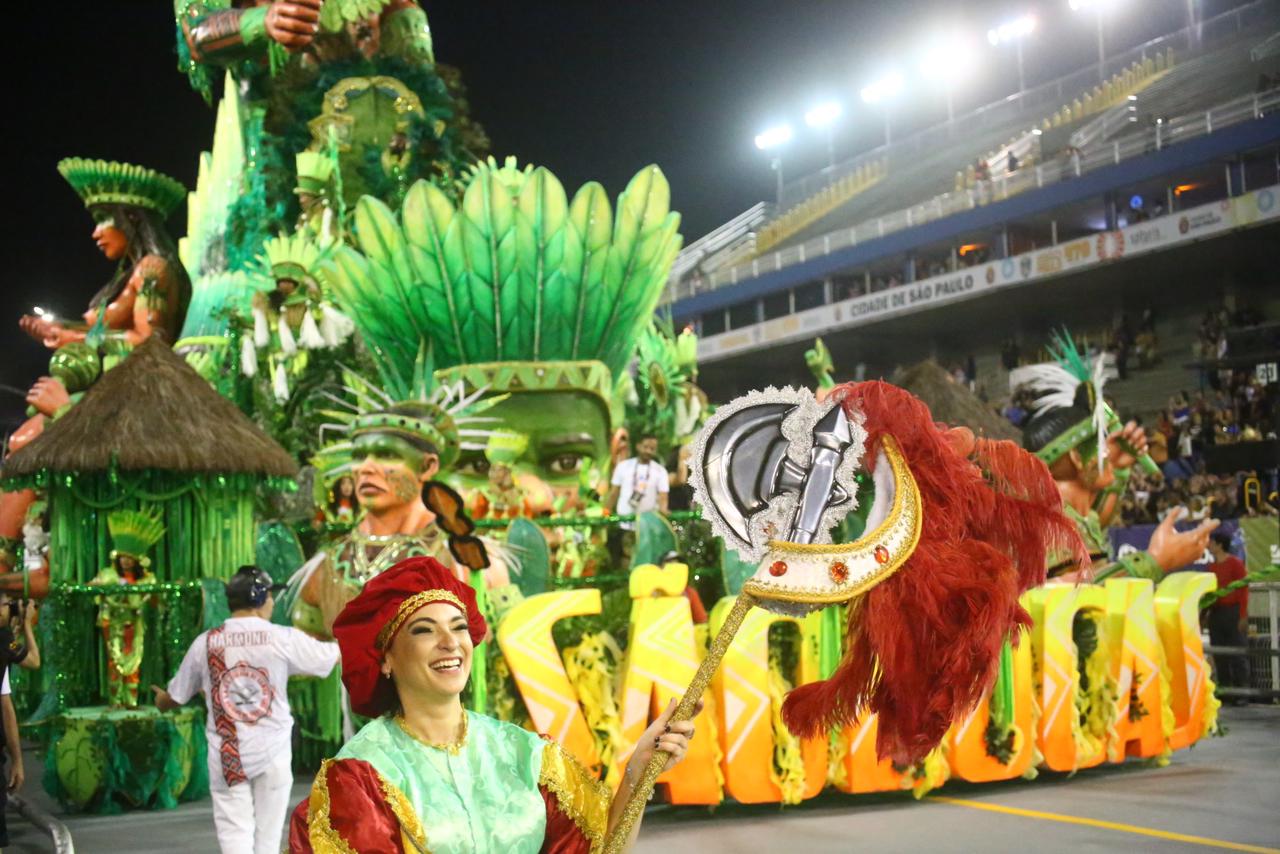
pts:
[1016, 29]
[824, 114]
[773, 137]
[1098, 6]
[947, 64]
[883, 89]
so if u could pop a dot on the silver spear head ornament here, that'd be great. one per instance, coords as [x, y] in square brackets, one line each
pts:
[776, 465]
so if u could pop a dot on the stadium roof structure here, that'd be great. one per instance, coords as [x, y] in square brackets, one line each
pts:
[923, 170]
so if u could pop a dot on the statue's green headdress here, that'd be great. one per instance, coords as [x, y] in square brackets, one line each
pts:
[1069, 381]
[518, 287]
[293, 256]
[447, 417]
[133, 533]
[315, 171]
[101, 182]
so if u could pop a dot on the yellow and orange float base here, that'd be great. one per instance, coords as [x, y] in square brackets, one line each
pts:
[1149, 691]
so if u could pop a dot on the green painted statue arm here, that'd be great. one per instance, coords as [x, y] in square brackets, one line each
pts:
[221, 36]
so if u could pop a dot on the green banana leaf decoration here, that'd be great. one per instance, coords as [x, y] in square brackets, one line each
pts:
[654, 538]
[529, 544]
[516, 272]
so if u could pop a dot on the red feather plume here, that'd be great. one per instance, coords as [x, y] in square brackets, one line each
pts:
[923, 646]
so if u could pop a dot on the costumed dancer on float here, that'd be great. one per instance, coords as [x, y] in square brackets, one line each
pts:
[425, 774]
[121, 617]
[147, 295]
[242, 667]
[1091, 455]
[290, 315]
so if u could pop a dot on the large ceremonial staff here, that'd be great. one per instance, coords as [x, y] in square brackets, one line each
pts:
[773, 462]
[775, 471]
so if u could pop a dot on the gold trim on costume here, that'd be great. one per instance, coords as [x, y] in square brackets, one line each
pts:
[583, 798]
[324, 838]
[410, 824]
[450, 747]
[413, 603]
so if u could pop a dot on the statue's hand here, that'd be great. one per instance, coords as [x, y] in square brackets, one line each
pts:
[1174, 549]
[48, 396]
[293, 23]
[1125, 445]
[37, 327]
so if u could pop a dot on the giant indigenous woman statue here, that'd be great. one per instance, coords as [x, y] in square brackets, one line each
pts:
[146, 296]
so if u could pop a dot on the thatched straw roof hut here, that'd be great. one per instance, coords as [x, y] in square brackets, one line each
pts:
[152, 411]
[951, 402]
[152, 434]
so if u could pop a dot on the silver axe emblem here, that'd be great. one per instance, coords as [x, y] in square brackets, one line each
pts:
[774, 444]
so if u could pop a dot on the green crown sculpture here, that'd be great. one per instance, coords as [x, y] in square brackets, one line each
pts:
[315, 171]
[106, 182]
[133, 533]
[519, 287]
[294, 257]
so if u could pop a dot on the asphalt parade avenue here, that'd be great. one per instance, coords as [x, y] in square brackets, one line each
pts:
[1220, 794]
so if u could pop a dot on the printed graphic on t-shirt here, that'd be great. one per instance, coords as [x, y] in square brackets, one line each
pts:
[245, 692]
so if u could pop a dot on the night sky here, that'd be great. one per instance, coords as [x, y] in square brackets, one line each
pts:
[592, 90]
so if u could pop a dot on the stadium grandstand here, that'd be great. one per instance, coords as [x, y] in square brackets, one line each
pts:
[1124, 201]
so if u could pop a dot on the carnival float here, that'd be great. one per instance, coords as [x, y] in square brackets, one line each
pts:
[376, 341]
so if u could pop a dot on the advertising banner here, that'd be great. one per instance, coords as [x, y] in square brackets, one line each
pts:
[1163, 232]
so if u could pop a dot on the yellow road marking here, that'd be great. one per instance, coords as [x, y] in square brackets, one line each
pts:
[1107, 825]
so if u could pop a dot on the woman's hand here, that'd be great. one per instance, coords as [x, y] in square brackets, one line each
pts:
[663, 734]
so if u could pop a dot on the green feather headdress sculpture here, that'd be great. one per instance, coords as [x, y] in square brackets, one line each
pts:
[450, 417]
[133, 533]
[518, 287]
[102, 182]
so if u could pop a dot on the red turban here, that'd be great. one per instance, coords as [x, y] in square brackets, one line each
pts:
[367, 626]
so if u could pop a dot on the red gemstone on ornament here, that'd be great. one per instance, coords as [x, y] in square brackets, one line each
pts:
[839, 572]
[882, 554]
[777, 568]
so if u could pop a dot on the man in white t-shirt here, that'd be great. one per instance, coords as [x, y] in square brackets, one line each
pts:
[243, 669]
[640, 483]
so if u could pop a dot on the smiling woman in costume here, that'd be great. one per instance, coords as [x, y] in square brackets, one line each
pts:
[426, 775]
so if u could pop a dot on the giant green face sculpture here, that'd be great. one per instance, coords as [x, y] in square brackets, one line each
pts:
[567, 431]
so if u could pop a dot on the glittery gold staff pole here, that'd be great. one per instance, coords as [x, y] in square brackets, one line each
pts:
[621, 833]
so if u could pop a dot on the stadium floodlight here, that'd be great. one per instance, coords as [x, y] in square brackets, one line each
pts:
[823, 115]
[1014, 32]
[1011, 31]
[773, 137]
[883, 89]
[946, 64]
[1100, 8]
